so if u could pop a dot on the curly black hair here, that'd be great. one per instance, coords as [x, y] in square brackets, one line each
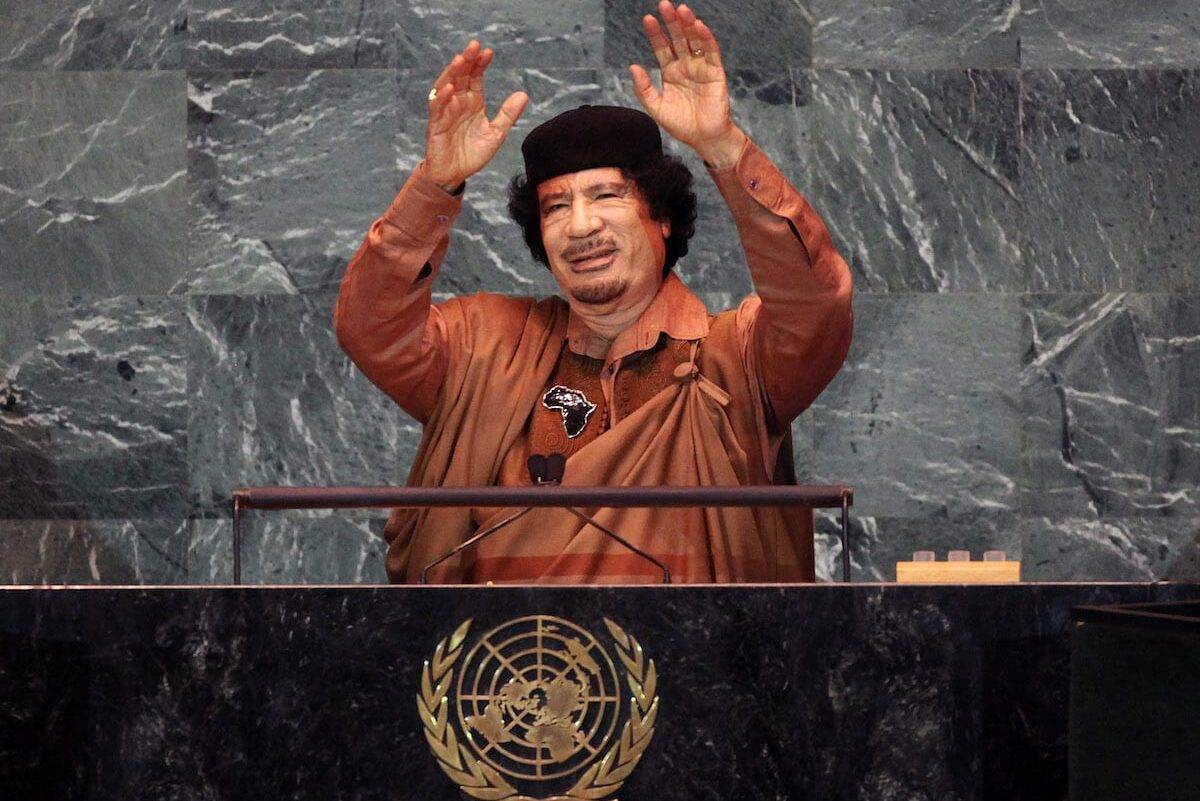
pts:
[666, 184]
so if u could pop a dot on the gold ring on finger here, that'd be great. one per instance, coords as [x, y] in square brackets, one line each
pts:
[697, 52]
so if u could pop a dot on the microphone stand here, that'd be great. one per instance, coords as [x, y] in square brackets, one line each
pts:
[487, 532]
[546, 471]
[614, 535]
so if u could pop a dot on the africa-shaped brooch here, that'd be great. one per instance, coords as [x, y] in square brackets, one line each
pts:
[572, 404]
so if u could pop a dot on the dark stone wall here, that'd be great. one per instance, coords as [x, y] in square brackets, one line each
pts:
[1013, 184]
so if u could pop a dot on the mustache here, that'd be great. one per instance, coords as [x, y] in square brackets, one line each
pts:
[578, 249]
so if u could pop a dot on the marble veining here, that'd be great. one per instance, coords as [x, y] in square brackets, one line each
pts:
[1109, 428]
[522, 33]
[1109, 163]
[923, 418]
[915, 33]
[290, 33]
[915, 173]
[275, 401]
[94, 552]
[92, 191]
[291, 548]
[94, 35]
[97, 422]
[1109, 33]
[1116, 549]
[286, 171]
[752, 34]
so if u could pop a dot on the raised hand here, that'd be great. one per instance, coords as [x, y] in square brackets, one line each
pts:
[459, 138]
[693, 105]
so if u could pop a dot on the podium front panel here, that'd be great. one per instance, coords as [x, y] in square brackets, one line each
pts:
[749, 692]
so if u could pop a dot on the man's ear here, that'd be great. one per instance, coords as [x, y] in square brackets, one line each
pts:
[665, 227]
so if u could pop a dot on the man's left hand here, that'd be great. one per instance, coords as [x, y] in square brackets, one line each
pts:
[693, 105]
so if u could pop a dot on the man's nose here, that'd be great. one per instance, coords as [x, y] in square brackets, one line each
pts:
[583, 221]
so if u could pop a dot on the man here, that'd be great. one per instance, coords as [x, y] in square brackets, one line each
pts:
[629, 377]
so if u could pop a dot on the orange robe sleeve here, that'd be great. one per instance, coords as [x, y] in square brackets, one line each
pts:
[383, 318]
[795, 330]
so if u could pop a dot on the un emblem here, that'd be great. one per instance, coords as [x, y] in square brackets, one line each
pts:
[537, 703]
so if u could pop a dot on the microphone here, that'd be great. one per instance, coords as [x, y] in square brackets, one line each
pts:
[546, 470]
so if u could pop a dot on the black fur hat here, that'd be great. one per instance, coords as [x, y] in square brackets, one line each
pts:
[588, 137]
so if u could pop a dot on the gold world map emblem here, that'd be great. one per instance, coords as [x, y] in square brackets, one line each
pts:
[538, 703]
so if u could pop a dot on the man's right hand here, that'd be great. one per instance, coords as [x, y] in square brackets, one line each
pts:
[460, 139]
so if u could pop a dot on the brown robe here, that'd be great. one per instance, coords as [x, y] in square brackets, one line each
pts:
[473, 371]
[706, 428]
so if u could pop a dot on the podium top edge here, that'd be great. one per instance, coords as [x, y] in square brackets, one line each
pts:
[809, 586]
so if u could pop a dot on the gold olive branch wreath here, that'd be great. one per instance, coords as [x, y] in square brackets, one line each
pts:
[480, 780]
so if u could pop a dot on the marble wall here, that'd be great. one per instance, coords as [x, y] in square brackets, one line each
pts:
[182, 182]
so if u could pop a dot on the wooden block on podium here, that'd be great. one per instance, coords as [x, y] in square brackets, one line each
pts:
[958, 572]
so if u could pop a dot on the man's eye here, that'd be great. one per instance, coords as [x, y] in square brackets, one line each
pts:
[607, 194]
[555, 207]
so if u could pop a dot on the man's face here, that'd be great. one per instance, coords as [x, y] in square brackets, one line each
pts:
[605, 250]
